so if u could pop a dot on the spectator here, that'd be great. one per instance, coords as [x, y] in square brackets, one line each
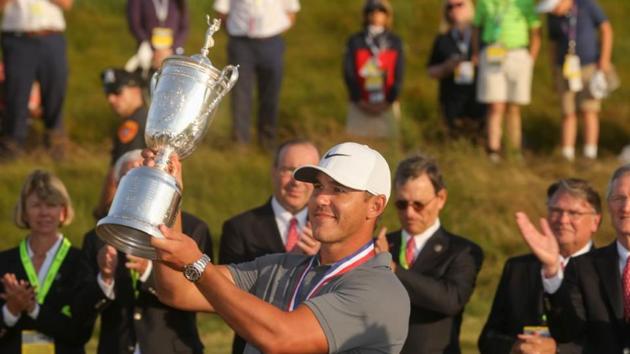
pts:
[450, 62]
[280, 225]
[34, 48]
[121, 288]
[519, 308]
[437, 268]
[255, 43]
[373, 71]
[578, 56]
[124, 94]
[590, 299]
[346, 299]
[161, 25]
[40, 277]
[506, 41]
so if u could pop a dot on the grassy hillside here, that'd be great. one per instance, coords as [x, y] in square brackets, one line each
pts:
[221, 181]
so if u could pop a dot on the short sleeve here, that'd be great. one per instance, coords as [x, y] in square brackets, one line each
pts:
[222, 6]
[597, 14]
[533, 19]
[368, 310]
[480, 14]
[292, 5]
[245, 274]
[436, 56]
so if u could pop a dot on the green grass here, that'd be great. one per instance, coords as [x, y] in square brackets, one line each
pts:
[221, 181]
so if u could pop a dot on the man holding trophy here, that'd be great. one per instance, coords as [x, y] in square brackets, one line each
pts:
[345, 298]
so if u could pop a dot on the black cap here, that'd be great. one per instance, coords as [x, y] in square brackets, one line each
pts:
[114, 79]
[376, 5]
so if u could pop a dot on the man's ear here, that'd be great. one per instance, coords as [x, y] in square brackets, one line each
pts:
[376, 206]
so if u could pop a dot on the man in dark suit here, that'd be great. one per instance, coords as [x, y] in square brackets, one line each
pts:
[590, 299]
[574, 214]
[268, 228]
[121, 288]
[437, 268]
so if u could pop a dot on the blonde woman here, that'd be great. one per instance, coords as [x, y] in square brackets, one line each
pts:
[39, 278]
[450, 63]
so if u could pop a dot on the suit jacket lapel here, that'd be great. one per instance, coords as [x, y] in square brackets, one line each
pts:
[535, 282]
[435, 246]
[269, 229]
[607, 265]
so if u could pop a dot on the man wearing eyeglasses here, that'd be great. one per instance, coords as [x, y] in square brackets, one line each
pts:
[438, 269]
[124, 95]
[590, 298]
[518, 321]
[280, 225]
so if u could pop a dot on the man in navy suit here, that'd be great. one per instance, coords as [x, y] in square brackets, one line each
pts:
[438, 268]
[279, 225]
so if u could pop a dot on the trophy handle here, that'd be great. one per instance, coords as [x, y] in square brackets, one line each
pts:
[154, 81]
[227, 80]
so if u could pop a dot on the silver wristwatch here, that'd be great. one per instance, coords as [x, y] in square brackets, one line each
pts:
[194, 270]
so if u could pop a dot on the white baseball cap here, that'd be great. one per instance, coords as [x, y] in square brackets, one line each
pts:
[352, 165]
[547, 5]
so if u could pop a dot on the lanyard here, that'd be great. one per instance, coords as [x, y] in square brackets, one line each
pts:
[134, 282]
[161, 10]
[402, 254]
[62, 251]
[572, 30]
[499, 17]
[340, 267]
[462, 42]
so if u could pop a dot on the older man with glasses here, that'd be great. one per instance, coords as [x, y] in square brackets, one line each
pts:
[438, 269]
[518, 321]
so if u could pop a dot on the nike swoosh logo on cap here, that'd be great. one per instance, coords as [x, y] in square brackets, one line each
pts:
[329, 155]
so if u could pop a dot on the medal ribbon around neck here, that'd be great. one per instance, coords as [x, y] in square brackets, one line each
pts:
[338, 268]
[42, 291]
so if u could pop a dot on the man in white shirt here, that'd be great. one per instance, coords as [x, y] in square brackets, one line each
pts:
[590, 298]
[34, 48]
[438, 269]
[255, 43]
[279, 225]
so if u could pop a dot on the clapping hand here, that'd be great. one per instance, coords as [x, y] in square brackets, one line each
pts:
[543, 244]
[307, 244]
[18, 294]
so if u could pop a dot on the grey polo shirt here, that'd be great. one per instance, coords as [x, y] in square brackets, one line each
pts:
[363, 311]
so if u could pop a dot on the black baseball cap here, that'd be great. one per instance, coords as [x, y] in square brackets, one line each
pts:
[114, 79]
[376, 5]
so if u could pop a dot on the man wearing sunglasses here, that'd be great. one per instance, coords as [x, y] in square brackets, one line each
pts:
[518, 321]
[437, 268]
[124, 94]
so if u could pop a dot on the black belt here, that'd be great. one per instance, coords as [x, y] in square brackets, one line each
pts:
[40, 33]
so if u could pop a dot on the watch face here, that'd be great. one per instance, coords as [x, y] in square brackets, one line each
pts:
[191, 273]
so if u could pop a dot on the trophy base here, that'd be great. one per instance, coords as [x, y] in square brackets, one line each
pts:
[146, 198]
[129, 236]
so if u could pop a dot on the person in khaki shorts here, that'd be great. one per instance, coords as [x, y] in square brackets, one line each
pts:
[578, 54]
[506, 41]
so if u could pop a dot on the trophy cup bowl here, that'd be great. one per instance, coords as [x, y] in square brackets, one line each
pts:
[185, 94]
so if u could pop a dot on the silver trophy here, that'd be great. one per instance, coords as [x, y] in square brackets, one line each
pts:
[185, 94]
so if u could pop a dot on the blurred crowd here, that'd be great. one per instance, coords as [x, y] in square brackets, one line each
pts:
[567, 295]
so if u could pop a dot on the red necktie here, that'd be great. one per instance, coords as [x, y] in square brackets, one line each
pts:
[409, 252]
[292, 235]
[625, 281]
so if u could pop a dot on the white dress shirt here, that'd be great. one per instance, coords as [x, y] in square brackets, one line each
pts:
[421, 238]
[283, 219]
[11, 320]
[257, 18]
[551, 285]
[32, 15]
